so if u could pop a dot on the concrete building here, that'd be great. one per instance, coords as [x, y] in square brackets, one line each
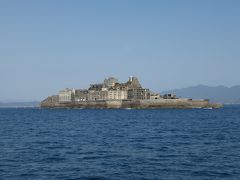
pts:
[117, 94]
[81, 95]
[110, 82]
[155, 96]
[66, 95]
[103, 95]
[93, 95]
[132, 83]
[120, 86]
[170, 96]
[97, 95]
[139, 94]
[96, 87]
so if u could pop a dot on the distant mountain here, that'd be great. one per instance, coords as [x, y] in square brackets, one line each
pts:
[19, 104]
[218, 94]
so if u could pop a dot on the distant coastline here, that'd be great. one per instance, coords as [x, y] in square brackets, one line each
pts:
[31, 104]
[216, 94]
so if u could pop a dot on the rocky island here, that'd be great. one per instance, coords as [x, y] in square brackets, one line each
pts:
[112, 94]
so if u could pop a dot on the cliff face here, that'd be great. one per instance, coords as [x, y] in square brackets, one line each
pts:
[53, 102]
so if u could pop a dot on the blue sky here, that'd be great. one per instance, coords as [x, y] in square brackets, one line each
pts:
[49, 45]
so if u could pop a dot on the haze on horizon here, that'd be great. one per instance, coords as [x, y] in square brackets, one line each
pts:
[46, 46]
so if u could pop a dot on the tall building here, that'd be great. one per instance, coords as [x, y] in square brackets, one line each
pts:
[66, 95]
[117, 94]
[81, 95]
[139, 94]
[97, 95]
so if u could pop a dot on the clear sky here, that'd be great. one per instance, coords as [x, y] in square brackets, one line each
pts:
[48, 45]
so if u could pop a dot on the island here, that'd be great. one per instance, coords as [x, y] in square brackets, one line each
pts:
[114, 95]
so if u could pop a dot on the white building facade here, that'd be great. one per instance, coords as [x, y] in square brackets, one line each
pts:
[117, 94]
[66, 95]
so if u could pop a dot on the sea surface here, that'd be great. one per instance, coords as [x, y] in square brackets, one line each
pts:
[120, 144]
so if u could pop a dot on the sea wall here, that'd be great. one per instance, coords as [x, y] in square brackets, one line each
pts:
[177, 103]
[90, 104]
[200, 103]
[165, 103]
[53, 102]
[114, 104]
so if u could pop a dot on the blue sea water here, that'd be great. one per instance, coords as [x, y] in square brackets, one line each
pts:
[120, 144]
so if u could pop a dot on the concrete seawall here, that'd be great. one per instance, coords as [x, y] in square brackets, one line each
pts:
[177, 103]
[52, 102]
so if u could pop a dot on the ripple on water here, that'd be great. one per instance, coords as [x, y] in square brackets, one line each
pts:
[120, 144]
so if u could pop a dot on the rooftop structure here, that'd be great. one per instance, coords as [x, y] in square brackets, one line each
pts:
[110, 82]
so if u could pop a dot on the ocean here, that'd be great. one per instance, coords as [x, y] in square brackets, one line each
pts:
[163, 144]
